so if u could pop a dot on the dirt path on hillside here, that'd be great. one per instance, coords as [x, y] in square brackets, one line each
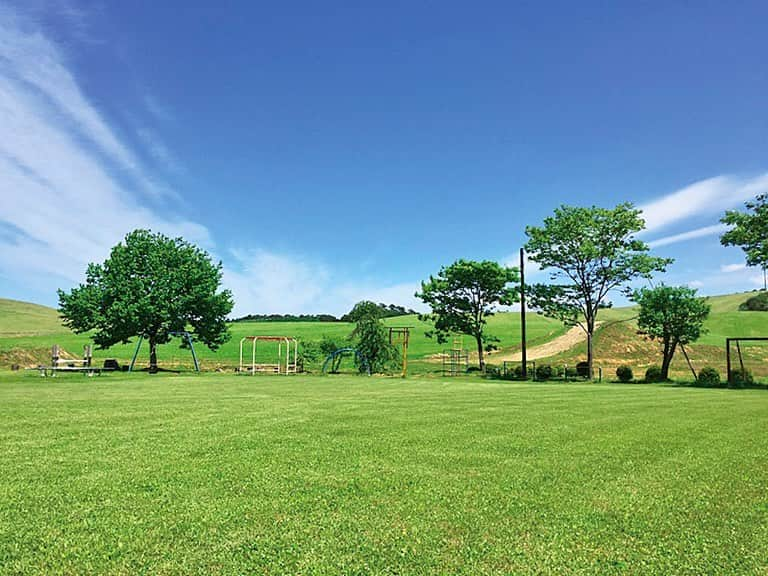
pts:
[562, 343]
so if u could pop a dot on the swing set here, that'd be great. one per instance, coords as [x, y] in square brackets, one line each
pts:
[182, 334]
[287, 355]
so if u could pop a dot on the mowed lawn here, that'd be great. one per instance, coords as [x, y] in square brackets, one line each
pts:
[220, 474]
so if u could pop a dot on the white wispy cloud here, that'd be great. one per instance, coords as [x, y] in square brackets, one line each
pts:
[531, 268]
[704, 199]
[66, 179]
[267, 282]
[708, 197]
[689, 235]
[158, 150]
[728, 268]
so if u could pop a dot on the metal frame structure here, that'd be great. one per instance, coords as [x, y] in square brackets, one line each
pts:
[286, 362]
[455, 362]
[341, 352]
[184, 334]
[401, 335]
[729, 364]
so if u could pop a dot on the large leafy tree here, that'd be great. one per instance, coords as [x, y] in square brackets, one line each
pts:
[673, 315]
[150, 286]
[749, 231]
[371, 337]
[589, 252]
[463, 295]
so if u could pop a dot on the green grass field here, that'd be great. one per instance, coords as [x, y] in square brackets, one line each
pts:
[225, 474]
[27, 332]
[36, 328]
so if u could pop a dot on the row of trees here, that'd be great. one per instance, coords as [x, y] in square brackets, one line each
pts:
[153, 286]
[588, 252]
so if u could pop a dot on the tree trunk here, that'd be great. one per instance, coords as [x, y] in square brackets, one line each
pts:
[152, 355]
[480, 357]
[590, 355]
[669, 353]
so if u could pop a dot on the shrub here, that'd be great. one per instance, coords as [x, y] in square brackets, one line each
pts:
[708, 376]
[757, 303]
[740, 379]
[544, 372]
[624, 373]
[653, 374]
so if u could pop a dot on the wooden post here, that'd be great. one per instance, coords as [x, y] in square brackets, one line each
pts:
[523, 342]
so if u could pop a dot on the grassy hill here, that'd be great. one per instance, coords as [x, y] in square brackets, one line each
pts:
[617, 341]
[27, 332]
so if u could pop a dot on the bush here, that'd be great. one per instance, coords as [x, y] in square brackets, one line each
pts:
[710, 377]
[740, 379]
[653, 374]
[624, 373]
[757, 303]
[544, 372]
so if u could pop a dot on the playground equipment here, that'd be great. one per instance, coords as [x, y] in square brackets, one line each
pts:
[287, 354]
[400, 335]
[61, 364]
[183, 334]
[335, 358]
[456, 360]
[728, 355]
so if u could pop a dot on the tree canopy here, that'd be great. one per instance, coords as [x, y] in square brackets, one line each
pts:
[589, 252]
[463, 295]
[150, 286]
[749, 231]
[371, 337]
[673, 315]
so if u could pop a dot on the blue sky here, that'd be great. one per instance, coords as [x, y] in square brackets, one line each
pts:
[329, 152]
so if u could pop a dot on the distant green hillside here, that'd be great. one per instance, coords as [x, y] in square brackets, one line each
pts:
[27, 332]
[30, 327]
[24, 319]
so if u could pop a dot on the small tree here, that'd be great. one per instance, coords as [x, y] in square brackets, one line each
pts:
[371, 337]
[590, 252]
[463, 295]
[673, 315]
[749, 231]
[150, 286]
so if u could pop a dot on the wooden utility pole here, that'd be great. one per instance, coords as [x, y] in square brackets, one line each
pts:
[522, 315]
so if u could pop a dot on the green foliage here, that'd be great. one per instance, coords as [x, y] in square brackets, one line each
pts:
[624, 373]
[756, 303]
[314, 352]
[673, 315]
[385, 311]
[150, 286]
[749, 231]
[372, 339]
[589, 252]
[741, 378]
[462, 297]
[286, 318]
[544, 372]
[709, 376]
[654, 374]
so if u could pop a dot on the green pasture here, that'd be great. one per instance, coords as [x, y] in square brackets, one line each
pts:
[30, 327]
[226, 474]
[27, 332]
